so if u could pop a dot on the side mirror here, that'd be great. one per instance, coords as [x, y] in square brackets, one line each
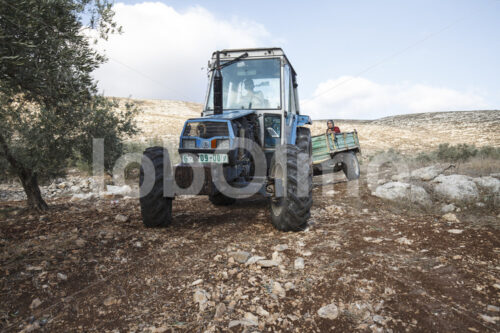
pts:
[272, 132]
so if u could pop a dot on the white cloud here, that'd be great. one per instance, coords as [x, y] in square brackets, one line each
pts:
[358, 98]
[161, 52]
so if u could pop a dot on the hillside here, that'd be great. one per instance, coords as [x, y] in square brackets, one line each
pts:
[164, 119]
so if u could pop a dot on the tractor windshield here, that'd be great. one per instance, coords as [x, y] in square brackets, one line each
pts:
[250, 84]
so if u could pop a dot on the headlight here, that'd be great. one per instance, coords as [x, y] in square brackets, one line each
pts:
[189, 143]
[223, 144]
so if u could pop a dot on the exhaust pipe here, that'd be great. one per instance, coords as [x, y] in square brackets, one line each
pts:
[217, 86]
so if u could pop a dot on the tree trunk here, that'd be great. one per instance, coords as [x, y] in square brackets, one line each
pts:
[28, 178]
[32, 190]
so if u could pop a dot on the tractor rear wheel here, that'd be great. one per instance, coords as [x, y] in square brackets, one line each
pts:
[291, 167]
[350, 165]
[156, 209]
[220, 199]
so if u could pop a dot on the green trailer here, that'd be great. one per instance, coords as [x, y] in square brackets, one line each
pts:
[336, 152]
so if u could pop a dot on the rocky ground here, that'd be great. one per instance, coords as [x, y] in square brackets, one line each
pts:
[363, 264]
[406, 250]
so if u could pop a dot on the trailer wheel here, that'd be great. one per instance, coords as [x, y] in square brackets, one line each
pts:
[220, 199]
[291, 210]
[156, 209]
[350, 165]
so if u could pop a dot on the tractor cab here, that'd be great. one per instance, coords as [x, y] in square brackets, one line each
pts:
[261, 80]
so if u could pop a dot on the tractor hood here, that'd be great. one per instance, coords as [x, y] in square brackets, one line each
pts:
[227, 115]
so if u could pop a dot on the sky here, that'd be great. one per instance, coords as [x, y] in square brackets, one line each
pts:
[354, 59]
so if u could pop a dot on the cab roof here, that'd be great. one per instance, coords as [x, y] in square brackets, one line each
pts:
[253, 52]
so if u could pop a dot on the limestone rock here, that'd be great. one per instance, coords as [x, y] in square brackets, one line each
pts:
[329, 311]
[457, 188]
[396, 191]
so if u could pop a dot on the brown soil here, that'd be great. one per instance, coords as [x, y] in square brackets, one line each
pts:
[124, 277]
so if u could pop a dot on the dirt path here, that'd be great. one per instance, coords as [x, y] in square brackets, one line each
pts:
[384, 268]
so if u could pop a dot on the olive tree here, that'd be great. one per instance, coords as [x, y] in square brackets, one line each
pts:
[50, 108]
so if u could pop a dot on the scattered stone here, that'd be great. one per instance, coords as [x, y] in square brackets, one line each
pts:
[267, 263]
[378, 319]
[493, 308]
[35, 303]
[217, 257]
[404, 241]
[277, 257]
[109, 301]
[450, 217]
[488, 184]
[240, 256]
[329, 311]
[373, 240]
[281, 247]
[220, 310]
[75, 189]
[161, 329]
[250, 317]
[457, 188]
[427, 173]
[112, 190]
[62, 277]
[488, 319]
[261, 312]
[138, 244]
[82, 196]
[197, 282]
[254, 260]
[248, 320]
[31, 327]
[278, 289]
[289, 286]
[496, 286]
[397, 191]
[80, 242]
[121, 218]
[335, 210]
[448, 208]
[299, 263]
[201, 297]
[455, 231]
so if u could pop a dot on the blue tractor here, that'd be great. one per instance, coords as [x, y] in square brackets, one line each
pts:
[250, 140]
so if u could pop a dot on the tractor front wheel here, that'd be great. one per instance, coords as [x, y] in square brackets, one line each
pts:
[156, 209]
[292, 200]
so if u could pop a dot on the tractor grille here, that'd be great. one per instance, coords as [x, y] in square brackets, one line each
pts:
[206, 129]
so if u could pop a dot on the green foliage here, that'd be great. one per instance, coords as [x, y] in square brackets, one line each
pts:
[110, 126]
[139, 147]
[458, 153]
[49, 106]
